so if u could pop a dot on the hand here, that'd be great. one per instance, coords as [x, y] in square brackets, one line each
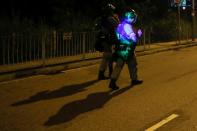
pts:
[139, 32]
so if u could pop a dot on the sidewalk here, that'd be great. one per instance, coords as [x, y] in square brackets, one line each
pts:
[95, 59]
[165, 46]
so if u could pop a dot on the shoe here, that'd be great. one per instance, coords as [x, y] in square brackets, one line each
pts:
[137, 82]
[101, 76]
[113, 85]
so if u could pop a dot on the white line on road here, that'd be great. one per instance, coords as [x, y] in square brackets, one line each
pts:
[161, 123]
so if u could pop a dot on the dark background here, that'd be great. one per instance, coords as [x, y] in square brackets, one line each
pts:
[156, 16]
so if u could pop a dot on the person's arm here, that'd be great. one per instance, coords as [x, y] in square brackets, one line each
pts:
[130, 32]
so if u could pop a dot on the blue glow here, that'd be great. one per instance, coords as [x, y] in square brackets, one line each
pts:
[130, 33]
[126, 34]
[129, 17]
[127, 29]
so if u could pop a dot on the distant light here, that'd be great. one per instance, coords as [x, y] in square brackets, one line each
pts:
[184, 7]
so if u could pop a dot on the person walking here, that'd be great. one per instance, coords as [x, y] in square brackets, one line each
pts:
[107, 36]
[128, 37]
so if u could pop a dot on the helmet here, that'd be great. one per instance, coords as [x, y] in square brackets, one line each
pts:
[130, 15]
[109, 8]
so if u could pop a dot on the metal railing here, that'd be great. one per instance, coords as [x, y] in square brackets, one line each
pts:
[21, 48]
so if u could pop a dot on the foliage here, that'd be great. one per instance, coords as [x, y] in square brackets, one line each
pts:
[75, 15]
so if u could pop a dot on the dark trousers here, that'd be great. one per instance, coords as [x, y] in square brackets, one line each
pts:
[132, 66]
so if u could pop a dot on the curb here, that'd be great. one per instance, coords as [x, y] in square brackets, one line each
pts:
[51, 70]
[153, 51]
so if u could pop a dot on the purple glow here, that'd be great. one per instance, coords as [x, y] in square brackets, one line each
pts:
[126, 33]
[139, 32]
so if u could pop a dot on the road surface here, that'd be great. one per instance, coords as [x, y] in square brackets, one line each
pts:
[74, 100]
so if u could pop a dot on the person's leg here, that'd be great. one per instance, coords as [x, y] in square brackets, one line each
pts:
[103, 67]
[132, 66]
[115, 74]
[110, 66]
[107, 56]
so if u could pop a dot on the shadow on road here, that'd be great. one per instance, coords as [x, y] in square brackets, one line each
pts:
[62, 92]
[91, 102]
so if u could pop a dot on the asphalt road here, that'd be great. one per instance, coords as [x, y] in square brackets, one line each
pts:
[75, 101]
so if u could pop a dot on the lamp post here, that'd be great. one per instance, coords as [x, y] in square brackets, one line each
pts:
[179, 24]
[193, 20]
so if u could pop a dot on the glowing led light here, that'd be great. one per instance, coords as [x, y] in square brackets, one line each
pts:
[127, 36]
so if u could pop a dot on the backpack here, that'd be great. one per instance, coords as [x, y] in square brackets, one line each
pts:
[102, 34]
[100, 39]
[106, 31]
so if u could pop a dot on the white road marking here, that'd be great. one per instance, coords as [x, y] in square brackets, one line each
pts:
[161, 123]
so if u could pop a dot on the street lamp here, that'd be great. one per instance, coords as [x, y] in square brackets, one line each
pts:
[177, 3]
[184, 4]
[179, 23]
[193, 20]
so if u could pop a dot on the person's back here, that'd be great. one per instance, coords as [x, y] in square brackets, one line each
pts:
[109, 22]
[107, 39]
